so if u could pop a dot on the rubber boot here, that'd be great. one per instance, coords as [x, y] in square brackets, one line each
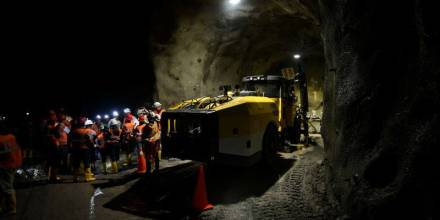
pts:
[115, 167]
[104, 167]
[76, 175]
[49, 173]
[128, 162]
[88, 175]
[53, 175]
[10, 204]
[156, 163]
[149, 166]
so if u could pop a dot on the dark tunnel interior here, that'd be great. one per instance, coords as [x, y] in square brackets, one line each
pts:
[372, 72]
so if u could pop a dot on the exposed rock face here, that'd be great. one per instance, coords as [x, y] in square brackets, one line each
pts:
[215, 43]
[381, 107]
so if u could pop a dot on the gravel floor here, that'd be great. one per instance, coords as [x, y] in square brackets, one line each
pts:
[299, 194]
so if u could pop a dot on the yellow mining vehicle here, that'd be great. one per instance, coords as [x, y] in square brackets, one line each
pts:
[240, 127]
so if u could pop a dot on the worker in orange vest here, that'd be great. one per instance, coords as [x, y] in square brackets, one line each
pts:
[158, 109]
[140, 127]
[10, 160]
[113, 144]
[63, 147]
[151, 137]
[102, 134]
[52, 146]
[127, 138]
[128, 114]
[138, 132]
[62, 118]
[82, 141]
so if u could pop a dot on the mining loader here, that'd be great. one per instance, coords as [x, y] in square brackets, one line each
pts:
[241, 126]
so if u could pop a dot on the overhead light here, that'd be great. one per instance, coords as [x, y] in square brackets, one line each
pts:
[296, 56]
[234, 2]
[127, 110]
[27, 113]
[115, 114]
[106, 116]
[98, 117]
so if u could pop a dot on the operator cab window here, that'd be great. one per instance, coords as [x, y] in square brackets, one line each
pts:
[264, 88]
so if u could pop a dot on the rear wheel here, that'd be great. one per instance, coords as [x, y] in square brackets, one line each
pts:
[271, 142]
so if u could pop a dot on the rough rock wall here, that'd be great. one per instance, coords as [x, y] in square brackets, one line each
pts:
[381, 125]
[213, 43]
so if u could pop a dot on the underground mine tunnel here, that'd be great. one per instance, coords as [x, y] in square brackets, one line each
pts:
[329, 110]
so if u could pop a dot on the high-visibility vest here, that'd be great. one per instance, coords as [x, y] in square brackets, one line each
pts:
[100, 140]
[129, 126]
[62, 140]
[139, 130]
[115, 135]
[82, 137]
[151, 131]
[10, 152]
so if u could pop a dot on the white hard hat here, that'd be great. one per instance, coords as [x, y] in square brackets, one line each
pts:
[157, 105]
[114, 122]
[88, 122]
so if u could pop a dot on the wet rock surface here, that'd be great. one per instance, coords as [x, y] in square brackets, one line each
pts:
[381, 116]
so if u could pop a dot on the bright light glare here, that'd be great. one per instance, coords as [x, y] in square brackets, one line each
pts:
[296, 56]
[106, 116]
[98, 116]
[234, 2]
[115, 114]
[27, 113]
[127, 110]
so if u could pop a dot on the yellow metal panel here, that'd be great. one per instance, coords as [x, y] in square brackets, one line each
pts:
[251, 120]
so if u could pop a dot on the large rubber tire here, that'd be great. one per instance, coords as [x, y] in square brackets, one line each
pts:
[295, 132]
[271, 142]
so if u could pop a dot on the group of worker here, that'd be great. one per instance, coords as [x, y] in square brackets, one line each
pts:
[69, 143]
[85, 140]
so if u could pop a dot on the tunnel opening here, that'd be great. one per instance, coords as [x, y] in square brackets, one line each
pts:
[361, 65]
[373, 76]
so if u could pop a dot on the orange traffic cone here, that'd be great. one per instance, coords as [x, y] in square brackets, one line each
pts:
[200, 200]
[142, 164]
